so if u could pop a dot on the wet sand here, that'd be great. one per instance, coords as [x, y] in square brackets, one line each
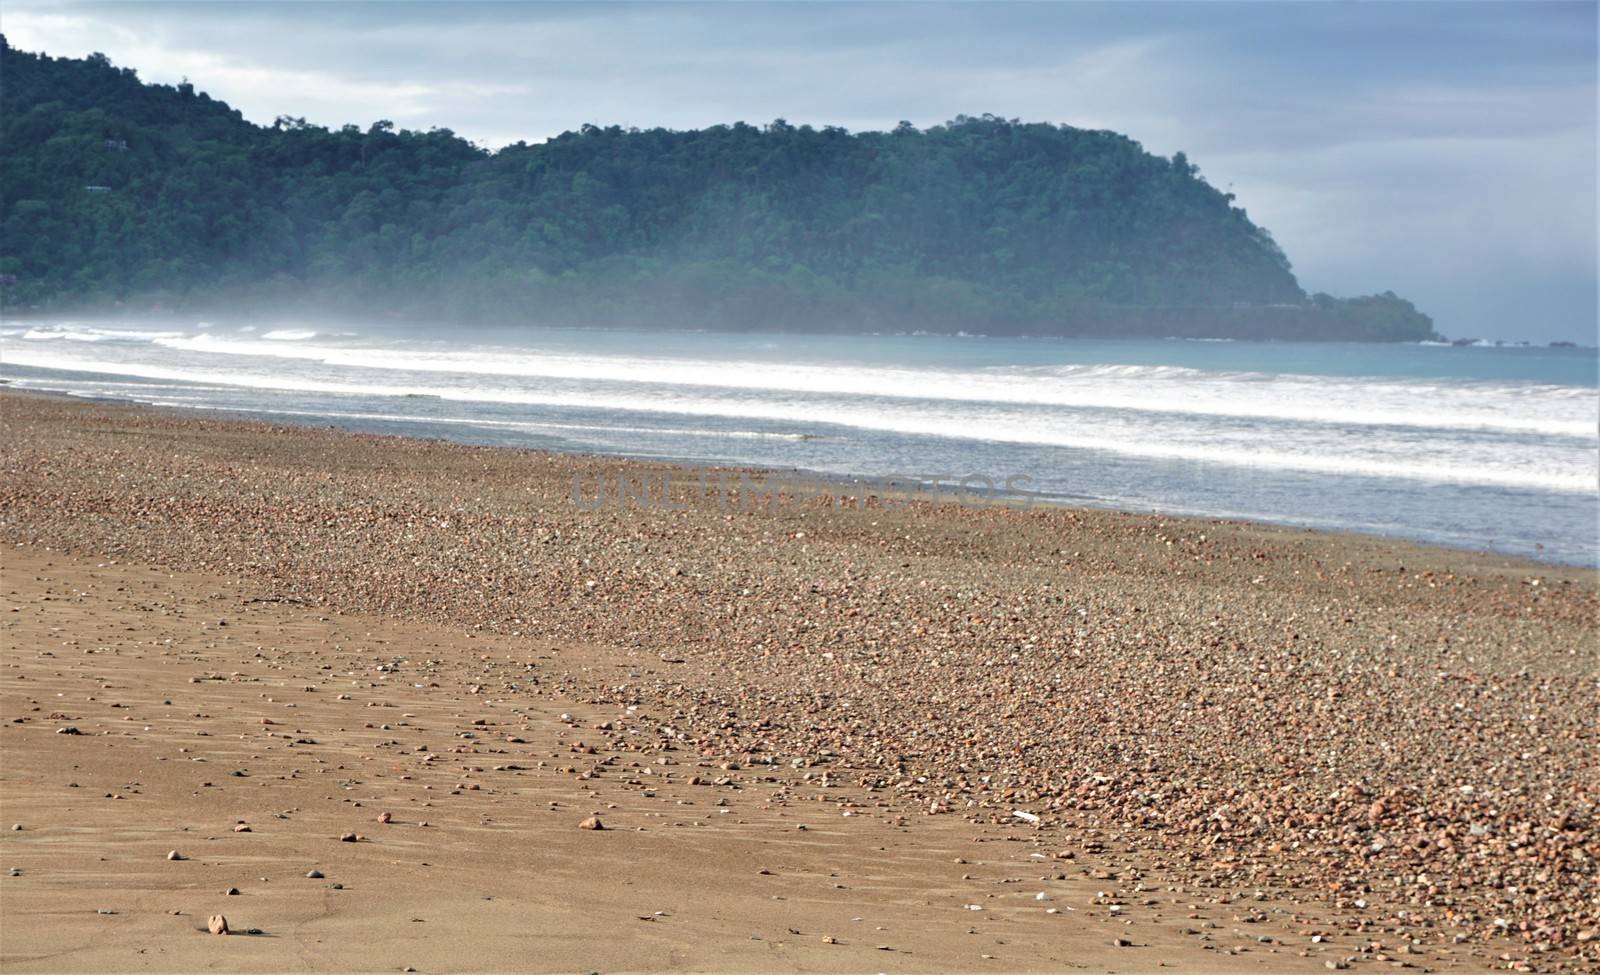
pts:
[1247, 748]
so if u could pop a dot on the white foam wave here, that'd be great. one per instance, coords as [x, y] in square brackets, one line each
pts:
[1548, 410]
[1402, 457]
[289, 335]
[50, 333]
[529, 425]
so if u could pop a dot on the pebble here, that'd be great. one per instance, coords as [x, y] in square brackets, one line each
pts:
[217, 924]
[1203, 678]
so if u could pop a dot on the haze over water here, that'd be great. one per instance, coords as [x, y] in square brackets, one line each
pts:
[1480, 447]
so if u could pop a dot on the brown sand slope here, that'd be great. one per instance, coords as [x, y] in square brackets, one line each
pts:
[200, 707]
[1397, 739]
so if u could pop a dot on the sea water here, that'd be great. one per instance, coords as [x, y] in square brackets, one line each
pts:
[1475, 447]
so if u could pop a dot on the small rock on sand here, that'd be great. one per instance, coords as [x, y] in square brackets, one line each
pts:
[174, 855]
[217, 925]
[593, 822]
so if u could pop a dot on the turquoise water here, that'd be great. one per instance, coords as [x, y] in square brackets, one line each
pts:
[1474, 447]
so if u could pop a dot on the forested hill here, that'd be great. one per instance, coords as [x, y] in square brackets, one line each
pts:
[160, 196]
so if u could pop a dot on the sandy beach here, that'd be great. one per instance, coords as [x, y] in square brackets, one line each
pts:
[868, 737]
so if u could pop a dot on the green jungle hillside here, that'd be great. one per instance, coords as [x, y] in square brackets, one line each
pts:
[154, 196]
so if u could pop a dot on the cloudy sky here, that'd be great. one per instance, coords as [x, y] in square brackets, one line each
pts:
[1443, 150]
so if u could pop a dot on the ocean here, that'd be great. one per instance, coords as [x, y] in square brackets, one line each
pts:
[1481, 447]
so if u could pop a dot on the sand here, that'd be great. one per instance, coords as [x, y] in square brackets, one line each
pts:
[1245, 747]
[201, 707]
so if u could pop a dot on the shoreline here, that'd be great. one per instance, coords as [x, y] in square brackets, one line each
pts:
[186, 319]
[1392, 739]
[821, 479]
[1124, 317]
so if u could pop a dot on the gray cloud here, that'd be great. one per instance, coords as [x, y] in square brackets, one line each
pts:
[1446, 151]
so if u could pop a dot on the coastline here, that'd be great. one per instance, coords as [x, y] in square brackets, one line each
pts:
[185, 317]
[817, 482]
[1370, 732]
